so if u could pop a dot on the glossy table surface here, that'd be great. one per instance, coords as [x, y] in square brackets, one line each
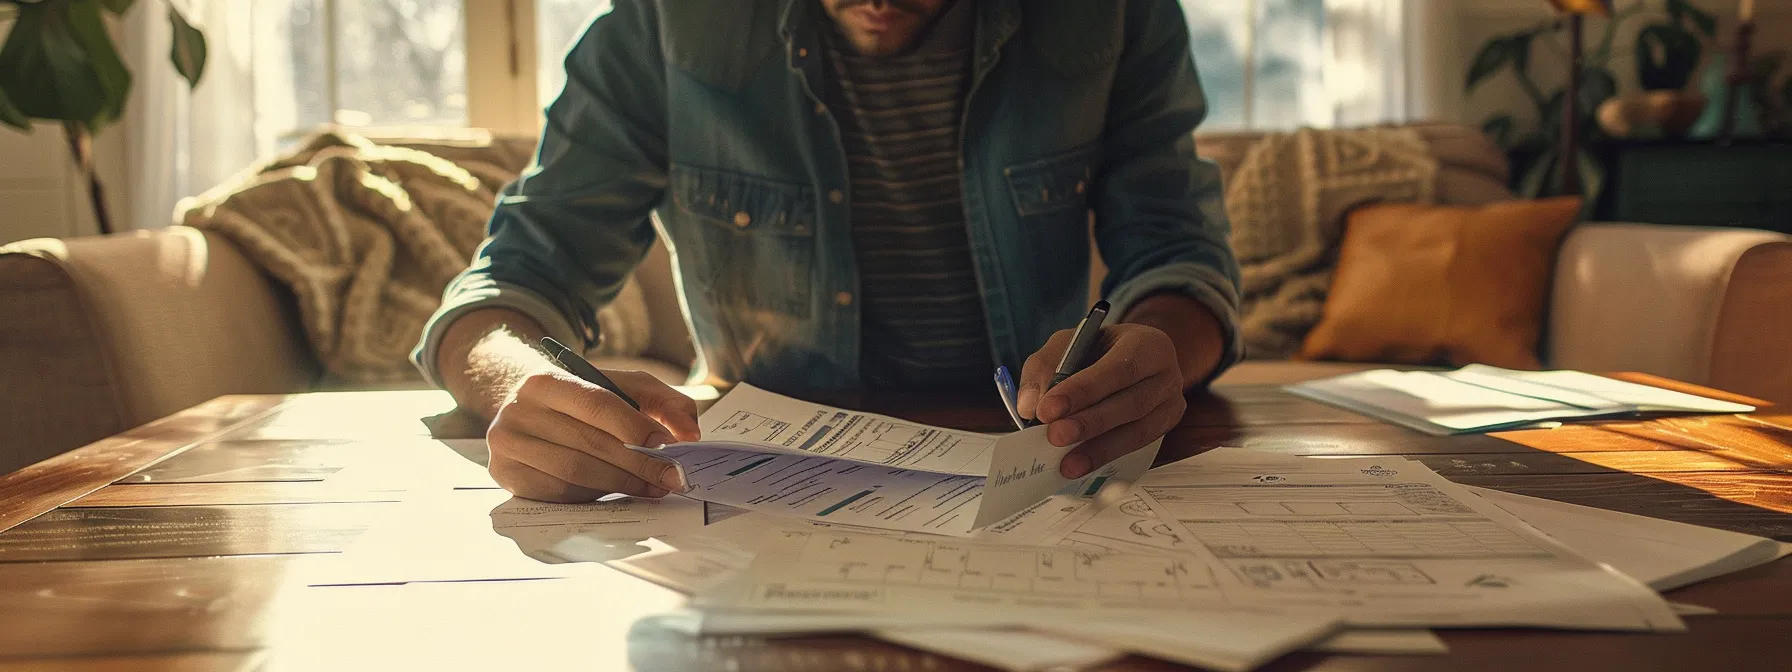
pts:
[178, 545]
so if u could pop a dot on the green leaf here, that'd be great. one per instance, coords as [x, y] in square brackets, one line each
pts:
[1666, 57]
[188, 51]
[1683, 11]
[1500, 129]
[89, 28]
[11, 116]
[1596, 86]
[1592, 182]
[1493, 56]
[1521, 50]
[48, 68]
[1537, 177]
[1497, 53]
[117, 7]
[1549, 122]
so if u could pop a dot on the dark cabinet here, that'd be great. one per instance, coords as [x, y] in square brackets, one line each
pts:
[1744, 184]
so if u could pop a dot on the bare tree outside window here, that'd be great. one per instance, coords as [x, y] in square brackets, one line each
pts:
[357, 63]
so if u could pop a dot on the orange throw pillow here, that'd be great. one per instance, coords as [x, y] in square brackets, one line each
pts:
[1421, 284]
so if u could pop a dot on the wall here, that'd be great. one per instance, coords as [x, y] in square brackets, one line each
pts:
[1478, 20]
[41, 192]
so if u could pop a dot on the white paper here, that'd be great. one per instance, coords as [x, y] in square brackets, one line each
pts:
[1661, 553]
[1431, 402]
[1484, 398]
[1645, 398]
[770, 453]
[1401, 545]
[469, 535]
[420, 464]
[1380, 641]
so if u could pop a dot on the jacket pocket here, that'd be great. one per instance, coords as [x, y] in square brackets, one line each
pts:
[753, 243]
[1051, 203]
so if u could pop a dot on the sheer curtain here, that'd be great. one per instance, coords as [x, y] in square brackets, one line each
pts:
[178, 142]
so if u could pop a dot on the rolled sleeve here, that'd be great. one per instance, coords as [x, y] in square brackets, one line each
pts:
[565, 237]
[479, 292]
[1196, 281]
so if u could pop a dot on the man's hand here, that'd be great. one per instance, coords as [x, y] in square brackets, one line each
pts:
[560, 439]
[1132, 394]
[555, 437]
[1129, 397]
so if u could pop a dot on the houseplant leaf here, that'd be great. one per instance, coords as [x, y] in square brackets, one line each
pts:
[1596, 86]
[1683, 11]
[88, 25]
[188, 51]
[11, 116]
[46, 69]
[1500, 129]
[1666, 56]
[1540, 175]
[1493, 56]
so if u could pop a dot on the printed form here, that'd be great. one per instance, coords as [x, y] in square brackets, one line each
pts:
[1398, 544]
[1388, 543]
[773, 454]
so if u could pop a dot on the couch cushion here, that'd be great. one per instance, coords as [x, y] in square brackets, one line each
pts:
[1443, 284]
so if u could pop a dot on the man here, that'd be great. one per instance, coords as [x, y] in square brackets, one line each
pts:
[857, 193]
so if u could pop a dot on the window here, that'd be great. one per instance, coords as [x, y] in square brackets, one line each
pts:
[1265, 64]
[358, 63]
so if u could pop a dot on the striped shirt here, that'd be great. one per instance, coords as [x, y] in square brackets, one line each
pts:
[921, 311]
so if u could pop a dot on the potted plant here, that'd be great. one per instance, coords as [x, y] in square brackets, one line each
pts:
[59, 64]
[1668, 53]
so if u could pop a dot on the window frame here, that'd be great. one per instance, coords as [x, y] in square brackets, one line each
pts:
[501, 66]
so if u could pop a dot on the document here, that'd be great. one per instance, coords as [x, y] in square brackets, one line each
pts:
[773, 454]
[1398, 544]
[472, 535]
[1661, 553]
[820, 570]
[1479, 398]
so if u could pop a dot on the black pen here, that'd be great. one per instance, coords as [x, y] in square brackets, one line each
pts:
[1077, 355]
[576, 365]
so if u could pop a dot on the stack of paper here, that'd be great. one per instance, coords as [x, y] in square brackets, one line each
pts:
[1479, 398]
[1225, 560]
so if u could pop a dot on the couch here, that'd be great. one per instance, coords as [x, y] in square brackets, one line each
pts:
[100, 334]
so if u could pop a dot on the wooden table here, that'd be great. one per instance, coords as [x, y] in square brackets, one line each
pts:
[175, 545]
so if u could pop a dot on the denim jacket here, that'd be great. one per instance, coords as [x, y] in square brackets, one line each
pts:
[706, 114]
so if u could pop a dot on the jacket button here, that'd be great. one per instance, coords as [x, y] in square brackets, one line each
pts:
[843, 298]
[836, 196]
[1079, 186]
[742, 219]
[802, 53]
[821, 108]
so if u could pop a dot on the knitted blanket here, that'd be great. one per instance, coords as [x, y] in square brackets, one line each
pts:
[1287, 202]
[365, 236]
